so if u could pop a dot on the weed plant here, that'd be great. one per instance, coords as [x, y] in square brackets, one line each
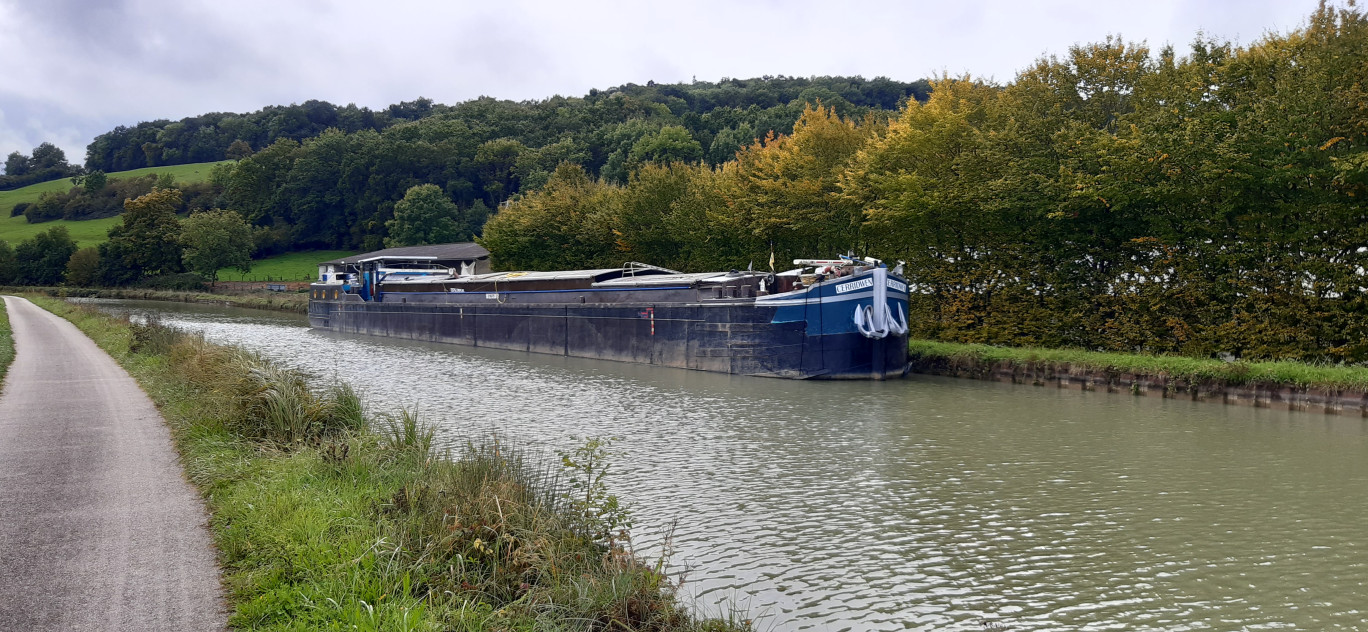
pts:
[326, 518]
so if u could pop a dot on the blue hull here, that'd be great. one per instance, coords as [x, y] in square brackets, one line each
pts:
[802, 335]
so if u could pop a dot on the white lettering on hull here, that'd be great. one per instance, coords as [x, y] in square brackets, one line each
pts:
[864, 283]
[854, 285]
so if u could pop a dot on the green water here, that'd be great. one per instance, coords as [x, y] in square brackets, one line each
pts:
[923, 504]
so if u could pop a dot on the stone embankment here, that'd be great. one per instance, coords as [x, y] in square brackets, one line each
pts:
[1064, 375]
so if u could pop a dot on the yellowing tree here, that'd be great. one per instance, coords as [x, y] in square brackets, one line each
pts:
[786, 188]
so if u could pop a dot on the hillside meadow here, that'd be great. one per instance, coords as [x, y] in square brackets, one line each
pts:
[292, 266]
[85, 232]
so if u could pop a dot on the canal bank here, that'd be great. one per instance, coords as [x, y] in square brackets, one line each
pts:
[1289, 385]
[324, 520]
[1296, 386]
[294, 302]
[925, 504]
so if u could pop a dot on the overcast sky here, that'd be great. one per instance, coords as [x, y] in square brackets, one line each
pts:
[72, 69]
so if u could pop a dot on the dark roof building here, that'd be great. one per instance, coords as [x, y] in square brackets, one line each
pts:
[464, 251]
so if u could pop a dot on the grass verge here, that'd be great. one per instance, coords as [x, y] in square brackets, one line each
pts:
[1238, 373]
[6, 343]
[328, 518]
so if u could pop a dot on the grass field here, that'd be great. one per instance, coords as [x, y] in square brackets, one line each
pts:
[292, 266]
[88, 232]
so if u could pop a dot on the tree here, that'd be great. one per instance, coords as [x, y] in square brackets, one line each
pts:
[671, 143]
[9, 269]
[214, 240]
[42, 259]
[112, 271]
[787, 186]
[48, 156]
[238, 150]
[560, 227]
[496, 161]
[83, 267]
[94, 181]
[17, 164]
[425, 216]
[152, 153]
[149, 237]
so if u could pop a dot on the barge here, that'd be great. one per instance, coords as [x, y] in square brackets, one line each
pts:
[842, 318]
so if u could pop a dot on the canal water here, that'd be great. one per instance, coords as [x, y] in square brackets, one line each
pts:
[919, 504]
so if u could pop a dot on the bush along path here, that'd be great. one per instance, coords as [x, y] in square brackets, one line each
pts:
[101, 530]
[329, 518]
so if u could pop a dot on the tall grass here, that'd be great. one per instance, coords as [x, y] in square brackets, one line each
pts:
[6, 342]
[329, 518]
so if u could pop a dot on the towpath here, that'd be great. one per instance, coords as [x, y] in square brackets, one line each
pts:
[99, 529]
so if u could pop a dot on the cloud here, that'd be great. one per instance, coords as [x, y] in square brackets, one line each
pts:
[73, 69]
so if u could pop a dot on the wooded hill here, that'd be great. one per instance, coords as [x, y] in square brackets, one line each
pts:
[327, 177]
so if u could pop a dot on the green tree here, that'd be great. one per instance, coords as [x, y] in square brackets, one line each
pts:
[17, 164]
[112, 270]
[42, 259]
[48, 156]
[149, 237]
[214, 240]
[497, 162]
[94, 181]
[425, 216]
[9, 269]
[671, 143]
[565, 225]
[83, 267]
[238, 150]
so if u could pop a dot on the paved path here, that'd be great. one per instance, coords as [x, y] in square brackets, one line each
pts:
[99, 529]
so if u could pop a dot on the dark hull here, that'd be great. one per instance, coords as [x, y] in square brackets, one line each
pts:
[738, 338]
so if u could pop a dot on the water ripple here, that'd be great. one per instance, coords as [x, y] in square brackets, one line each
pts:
[923, 504]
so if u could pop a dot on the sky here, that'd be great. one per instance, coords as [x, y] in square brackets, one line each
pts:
[73, 69]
